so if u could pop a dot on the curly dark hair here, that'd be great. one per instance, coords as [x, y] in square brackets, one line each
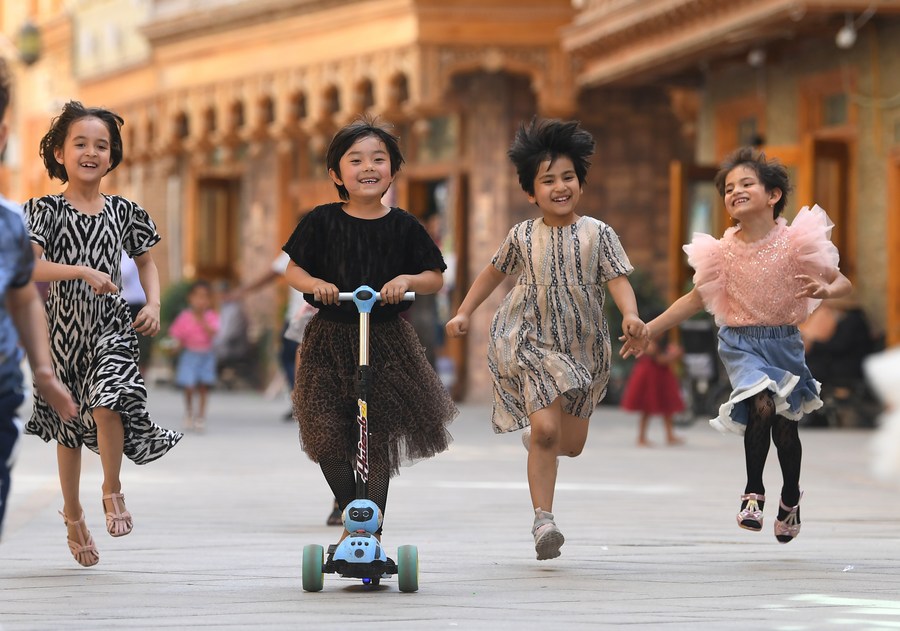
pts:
[771, 173]
[345, 138]
[548, 139]
[59, 129]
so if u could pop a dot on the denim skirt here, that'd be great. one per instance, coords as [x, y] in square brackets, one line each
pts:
[759, 358]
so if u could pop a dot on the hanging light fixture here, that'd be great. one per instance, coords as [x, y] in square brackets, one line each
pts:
[29, 43]
[846, 36]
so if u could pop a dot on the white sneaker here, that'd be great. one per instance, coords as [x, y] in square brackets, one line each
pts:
[547, 537]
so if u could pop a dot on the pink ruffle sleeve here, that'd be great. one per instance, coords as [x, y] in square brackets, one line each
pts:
[705, 256]
[810, 236]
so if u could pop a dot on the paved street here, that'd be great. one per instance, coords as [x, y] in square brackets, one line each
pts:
[651, 537]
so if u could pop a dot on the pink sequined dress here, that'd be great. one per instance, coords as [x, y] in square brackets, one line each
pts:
[750, 289]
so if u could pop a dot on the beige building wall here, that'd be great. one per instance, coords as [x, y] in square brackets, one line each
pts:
[107, 35]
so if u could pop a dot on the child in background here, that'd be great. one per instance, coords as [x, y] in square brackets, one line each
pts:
[195, 330]
[549, 350]
[761, 280]
[653, 389]
[133, 294]
[339, 247]
[78, 238]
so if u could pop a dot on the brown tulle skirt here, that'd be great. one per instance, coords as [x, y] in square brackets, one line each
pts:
[409, 408]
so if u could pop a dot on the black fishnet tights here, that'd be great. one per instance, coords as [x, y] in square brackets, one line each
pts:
[784, 432]
[340, 477]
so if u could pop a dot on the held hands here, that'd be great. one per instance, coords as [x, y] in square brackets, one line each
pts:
[458, 325]
[633, 326]
[147, 321]
[55, 393]
[636, 337]
[99, 281]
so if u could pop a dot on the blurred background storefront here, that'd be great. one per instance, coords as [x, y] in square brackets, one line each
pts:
[229, 105]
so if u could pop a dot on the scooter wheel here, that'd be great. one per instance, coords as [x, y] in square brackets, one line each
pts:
[313, 576]
[408, 568]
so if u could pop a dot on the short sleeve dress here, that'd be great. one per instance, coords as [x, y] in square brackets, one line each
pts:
[750, 289]
[549, 337]
[92, 341]
[408, 406]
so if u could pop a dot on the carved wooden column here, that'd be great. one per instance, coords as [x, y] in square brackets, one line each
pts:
[493, 104]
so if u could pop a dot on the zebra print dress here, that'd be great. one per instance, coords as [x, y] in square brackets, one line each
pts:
[549, 337]
[92, 342]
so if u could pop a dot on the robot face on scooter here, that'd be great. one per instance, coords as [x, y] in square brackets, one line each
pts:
[362, 515]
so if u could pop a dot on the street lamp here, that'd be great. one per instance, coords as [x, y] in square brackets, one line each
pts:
[29, 43]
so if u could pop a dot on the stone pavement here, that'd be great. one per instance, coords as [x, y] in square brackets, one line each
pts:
[221, 521]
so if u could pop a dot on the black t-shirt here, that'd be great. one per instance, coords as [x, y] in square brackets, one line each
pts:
[347, 251]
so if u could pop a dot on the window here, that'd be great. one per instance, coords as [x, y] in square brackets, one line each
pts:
[834, 110]
[440, 140]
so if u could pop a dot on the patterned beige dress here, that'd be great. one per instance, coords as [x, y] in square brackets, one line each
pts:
[549, 338]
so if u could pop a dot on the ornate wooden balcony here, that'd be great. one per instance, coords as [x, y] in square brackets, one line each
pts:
[635, 41]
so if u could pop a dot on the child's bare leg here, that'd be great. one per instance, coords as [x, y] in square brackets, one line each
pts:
[671, 438]
[81, 544]
[202, 391]
[573, 436]
[642, 431]
[68, 461]
[552, 433]
[188, 407]
[200, 419]
[546, 434]
[111, 443]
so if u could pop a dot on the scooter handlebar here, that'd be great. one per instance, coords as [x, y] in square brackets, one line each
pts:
[347, 296]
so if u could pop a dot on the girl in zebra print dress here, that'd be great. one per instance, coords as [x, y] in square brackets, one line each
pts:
[81, 234]
[549, 348]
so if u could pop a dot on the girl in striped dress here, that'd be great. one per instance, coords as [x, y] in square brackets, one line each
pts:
[549, 349]
[78, 238]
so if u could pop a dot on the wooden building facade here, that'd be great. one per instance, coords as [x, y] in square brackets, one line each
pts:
[230, 106]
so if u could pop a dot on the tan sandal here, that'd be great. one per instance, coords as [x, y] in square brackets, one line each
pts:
[84, 550]
[118, 521]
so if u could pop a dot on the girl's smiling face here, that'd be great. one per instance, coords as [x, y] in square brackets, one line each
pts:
[557, 191]
[85, 153]
[746, 196]
[365, 170]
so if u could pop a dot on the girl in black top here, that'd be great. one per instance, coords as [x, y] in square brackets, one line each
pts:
[338, 247]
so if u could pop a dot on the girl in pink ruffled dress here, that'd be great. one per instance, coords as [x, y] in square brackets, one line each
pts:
[760, 280]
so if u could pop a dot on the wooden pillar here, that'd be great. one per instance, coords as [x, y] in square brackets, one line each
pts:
[494, 105]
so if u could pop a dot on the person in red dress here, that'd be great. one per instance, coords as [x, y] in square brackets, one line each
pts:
[653, 389]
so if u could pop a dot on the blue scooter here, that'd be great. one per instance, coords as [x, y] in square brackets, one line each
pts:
[360, 555]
